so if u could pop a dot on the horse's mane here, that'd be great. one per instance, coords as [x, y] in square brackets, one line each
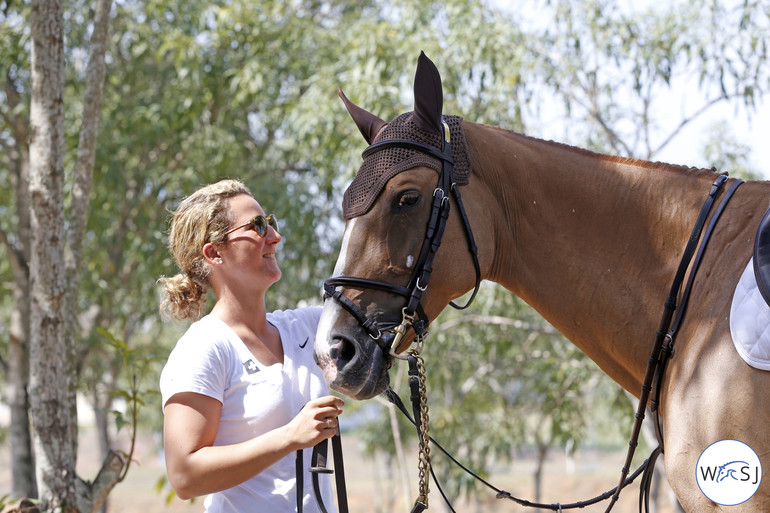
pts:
[652, 165]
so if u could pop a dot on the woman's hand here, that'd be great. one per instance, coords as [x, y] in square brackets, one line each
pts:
[316, 421]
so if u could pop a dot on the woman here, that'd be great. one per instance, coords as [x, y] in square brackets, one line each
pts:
[241, 391]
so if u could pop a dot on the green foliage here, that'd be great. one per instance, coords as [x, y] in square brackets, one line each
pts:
[7, 501]
[137, 366]
[726, 153]
[615, 68]
[13, 46]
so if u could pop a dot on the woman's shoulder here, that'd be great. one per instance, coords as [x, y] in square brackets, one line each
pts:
[201, 362]
[206, 334]
[307, 315]
[297, 326]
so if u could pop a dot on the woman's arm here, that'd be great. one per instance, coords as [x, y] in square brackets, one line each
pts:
[196, 467]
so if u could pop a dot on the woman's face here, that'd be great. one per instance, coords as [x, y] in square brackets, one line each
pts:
[247, 256]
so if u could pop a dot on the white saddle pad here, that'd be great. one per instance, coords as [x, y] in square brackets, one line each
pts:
[750, 321]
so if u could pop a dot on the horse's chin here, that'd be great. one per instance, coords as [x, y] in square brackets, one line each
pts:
[363, 381]
[365, 390]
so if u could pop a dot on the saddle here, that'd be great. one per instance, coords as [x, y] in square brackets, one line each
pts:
[762, 257]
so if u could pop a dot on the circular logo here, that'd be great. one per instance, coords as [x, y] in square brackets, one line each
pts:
[728, 472]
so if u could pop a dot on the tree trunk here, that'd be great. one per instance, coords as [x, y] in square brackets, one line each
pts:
[84, 170]
[52, 380]
[91, 496]
[54, 260]
[542, 453]
[17, 367]
[22, 459]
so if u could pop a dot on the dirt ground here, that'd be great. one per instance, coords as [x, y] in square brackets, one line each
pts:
[371, 491]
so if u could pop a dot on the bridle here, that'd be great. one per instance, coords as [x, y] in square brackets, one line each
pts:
[412, 314]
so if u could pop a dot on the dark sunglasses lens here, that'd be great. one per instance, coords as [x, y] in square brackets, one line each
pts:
[261, 223]
[260, 226]
[273, 222]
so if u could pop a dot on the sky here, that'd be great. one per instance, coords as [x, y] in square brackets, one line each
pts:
[751, 128]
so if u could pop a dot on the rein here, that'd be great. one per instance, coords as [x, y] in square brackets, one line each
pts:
[317, 467]
[393, 397]
[662, 349]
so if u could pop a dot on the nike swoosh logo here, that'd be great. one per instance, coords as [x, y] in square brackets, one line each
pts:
[303, 344]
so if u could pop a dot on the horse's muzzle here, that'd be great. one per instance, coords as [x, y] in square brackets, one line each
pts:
[360, 364]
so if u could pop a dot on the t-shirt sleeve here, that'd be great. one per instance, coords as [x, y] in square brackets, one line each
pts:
[298, 324]
[198, 363]
[312, 316]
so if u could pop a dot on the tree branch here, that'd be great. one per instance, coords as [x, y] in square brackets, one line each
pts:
[92, 496]
[81, 189]
[19, 125]
[518, 324]
[686, 121]
[18, 262]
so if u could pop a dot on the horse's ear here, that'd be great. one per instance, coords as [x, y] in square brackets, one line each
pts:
[428, 97]
[369, 124]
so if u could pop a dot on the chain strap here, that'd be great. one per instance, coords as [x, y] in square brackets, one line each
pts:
[423, 464]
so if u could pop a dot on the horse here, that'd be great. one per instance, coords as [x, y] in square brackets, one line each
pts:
[590, 241]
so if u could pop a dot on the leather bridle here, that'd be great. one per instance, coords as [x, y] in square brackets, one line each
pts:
[412, 314]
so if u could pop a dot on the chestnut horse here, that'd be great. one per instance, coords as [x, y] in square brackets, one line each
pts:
[590, 241]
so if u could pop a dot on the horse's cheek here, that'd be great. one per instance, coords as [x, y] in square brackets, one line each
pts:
[401, 246]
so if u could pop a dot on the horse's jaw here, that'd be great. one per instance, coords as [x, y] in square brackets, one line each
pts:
[353, 366]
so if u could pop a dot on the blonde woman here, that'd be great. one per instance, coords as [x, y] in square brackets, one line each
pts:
[241, 391]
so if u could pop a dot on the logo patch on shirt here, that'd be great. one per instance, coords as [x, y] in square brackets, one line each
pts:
[303, 344]
[250, 366]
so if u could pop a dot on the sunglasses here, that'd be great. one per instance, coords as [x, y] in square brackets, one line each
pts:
[259, 224]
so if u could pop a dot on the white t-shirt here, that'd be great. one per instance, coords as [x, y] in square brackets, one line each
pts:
[210, 359]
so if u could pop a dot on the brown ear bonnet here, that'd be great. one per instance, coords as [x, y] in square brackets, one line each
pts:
[383, 165]
[377, 169]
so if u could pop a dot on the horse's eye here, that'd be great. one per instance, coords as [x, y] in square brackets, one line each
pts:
[408, 199]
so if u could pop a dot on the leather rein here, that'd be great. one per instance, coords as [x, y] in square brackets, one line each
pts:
[412, 314]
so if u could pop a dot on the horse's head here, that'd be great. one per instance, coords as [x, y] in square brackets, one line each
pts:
[379, 301]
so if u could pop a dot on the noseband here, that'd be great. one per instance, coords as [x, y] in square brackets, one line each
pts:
[412, 314]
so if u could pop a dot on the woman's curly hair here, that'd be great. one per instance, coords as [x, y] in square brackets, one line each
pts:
[200, 218]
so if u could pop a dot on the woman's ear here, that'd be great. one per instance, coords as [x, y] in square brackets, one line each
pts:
[211, 254]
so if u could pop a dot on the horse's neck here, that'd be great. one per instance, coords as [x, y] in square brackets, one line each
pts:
[592, 242]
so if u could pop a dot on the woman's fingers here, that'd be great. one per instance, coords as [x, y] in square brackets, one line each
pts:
[328, 401]
[326, 409]
[327, 417]
[329, 423]
[317, 420]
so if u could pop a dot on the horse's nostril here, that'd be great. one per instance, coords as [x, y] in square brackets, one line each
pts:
[342, 352]
[348, 351]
